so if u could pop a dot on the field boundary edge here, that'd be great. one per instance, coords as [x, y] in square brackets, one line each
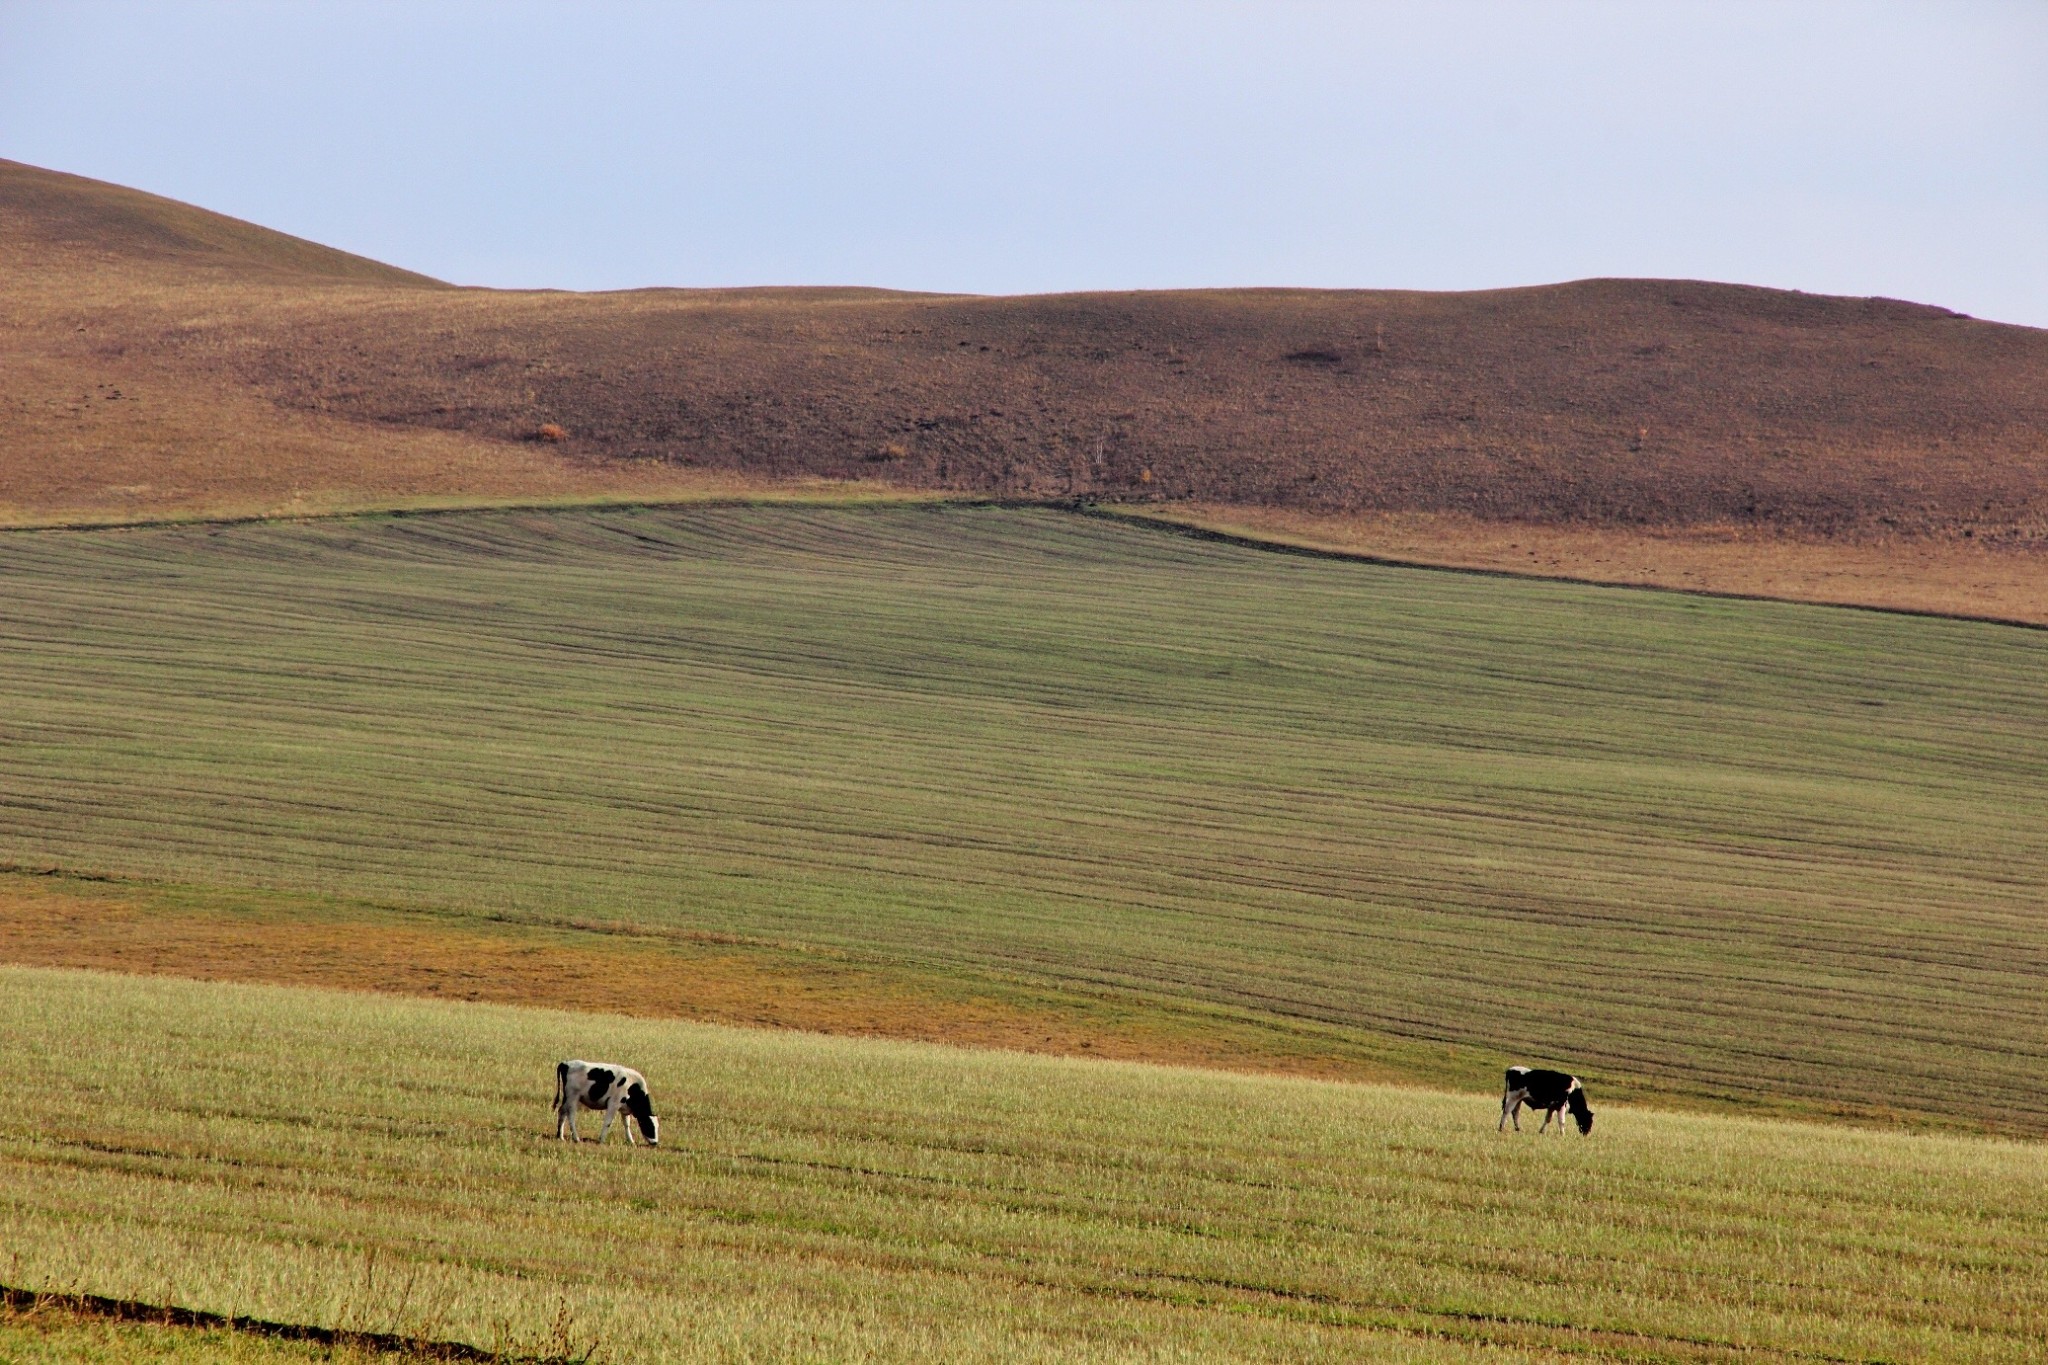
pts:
[1194, 531]
[19, 1301]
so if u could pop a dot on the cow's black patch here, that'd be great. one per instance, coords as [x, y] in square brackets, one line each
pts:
[600, 1080]
[1544, 1089]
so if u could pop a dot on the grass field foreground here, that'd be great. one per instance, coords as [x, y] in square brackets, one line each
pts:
[317, 1157]
[1718, 850]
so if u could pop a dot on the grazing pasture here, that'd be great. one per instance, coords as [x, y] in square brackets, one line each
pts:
[1730, 851]
[388, 1165]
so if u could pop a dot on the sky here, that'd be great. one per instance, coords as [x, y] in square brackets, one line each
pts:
[995, 147]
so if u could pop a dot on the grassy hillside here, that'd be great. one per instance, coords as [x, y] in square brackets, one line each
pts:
[327, 1159]
[167, 361]
[1725, 850]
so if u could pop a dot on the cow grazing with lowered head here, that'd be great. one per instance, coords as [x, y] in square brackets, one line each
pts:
[1550, 1091]
[602, 1085]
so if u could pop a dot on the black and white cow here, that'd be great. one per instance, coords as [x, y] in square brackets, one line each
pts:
[1550, 1091]
[603, 1085]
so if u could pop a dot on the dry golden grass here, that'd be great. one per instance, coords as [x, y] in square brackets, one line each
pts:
[1945, 577]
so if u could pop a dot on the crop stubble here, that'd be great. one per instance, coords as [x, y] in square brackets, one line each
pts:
[387, 1165]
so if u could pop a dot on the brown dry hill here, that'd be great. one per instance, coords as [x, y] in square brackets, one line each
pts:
[164, 360]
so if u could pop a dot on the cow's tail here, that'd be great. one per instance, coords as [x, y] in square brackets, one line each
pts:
[561, 1084]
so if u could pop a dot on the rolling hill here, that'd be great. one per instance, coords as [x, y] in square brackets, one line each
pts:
[169, 361]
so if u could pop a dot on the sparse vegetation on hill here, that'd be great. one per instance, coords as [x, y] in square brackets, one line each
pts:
[1622, 403]
[258, 373]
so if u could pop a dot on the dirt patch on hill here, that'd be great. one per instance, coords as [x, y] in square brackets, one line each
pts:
[144, 442]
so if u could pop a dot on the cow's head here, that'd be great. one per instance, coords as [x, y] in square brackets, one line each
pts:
[1582, 1113]
[641, 1110]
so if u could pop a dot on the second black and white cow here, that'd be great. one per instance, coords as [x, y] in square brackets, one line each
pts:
[603, 1085]
[1550, 1091]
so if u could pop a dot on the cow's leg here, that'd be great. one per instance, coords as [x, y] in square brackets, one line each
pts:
[610, 1112]
[1503, 1113]
[1516, 1113]
[1541, 1127]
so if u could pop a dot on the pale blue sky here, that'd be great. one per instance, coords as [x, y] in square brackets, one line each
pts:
[1857, 148]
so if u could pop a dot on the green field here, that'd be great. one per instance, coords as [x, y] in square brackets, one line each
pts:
[1690, 847]
[387, 1165]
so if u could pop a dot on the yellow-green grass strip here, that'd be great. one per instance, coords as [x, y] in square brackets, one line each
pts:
[388, 1165]
[349, 506]
[1734, 851]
